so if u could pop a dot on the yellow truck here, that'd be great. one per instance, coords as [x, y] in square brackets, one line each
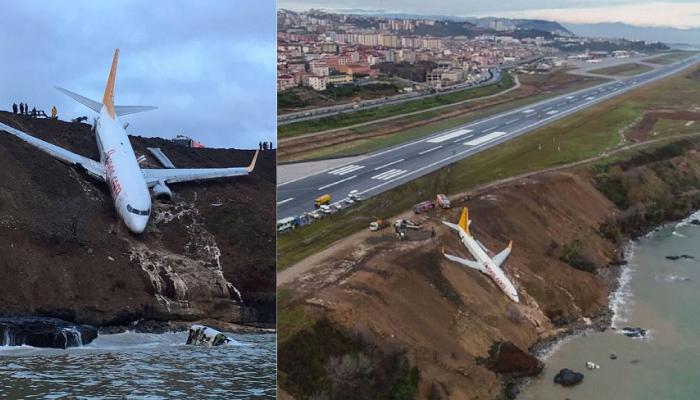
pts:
[322, 200]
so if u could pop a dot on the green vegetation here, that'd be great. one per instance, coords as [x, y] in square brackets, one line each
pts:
[339, 121]
[371, 90]
[578, 137]
[670, 58]
[325, 362]
[290, 99]
[571, 253]
[623, 69]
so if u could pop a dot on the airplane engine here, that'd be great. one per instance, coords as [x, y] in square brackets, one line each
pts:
[162, 192]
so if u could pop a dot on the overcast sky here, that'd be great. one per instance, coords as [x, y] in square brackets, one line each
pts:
[209, 66]
[681, 14]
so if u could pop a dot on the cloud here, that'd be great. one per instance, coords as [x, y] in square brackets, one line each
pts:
[656, 14]
[678, 14]
[208, 65]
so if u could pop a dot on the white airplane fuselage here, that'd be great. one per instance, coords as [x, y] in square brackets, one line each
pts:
[490, 268]
[123, 175]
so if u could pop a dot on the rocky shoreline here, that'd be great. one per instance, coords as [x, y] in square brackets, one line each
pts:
[600, 322]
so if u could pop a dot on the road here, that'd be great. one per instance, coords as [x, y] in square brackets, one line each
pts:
[494, 77]
[387, 169]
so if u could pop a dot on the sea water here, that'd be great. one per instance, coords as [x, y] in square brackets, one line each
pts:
[657, 294]
[142, 366]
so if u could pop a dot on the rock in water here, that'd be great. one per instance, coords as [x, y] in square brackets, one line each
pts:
[507, 358]
[44, 332]
[201, 335]
[567, 377]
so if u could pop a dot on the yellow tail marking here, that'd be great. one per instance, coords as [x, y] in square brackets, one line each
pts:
[108, 99]
[510, 245]
[252, 163]
[464, 220]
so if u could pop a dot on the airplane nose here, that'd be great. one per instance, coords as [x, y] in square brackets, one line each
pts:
[137, 224]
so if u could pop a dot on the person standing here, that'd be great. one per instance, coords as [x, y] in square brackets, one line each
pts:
[14, 108]
[54, 112]
[21, 108]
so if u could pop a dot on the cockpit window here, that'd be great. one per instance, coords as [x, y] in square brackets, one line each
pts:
[133, 210]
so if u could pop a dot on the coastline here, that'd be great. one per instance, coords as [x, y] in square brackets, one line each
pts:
[618, 276]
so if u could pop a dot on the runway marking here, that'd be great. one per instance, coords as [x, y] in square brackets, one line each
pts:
[448, 136]
[460, 139]
[386, 175]
[388, 164]
[548, 108]
[285, 201]
[552, 112]
[337, 182]
[489, 129]
[511, 121]
[569, 97]
[429, 150]
[485, 138]
[589, 98]
[528, 111]
[346, 170]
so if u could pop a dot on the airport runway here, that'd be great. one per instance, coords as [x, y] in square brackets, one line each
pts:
[389, 168]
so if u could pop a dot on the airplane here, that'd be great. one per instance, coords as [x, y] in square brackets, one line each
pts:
[483, 263]
[118, 166]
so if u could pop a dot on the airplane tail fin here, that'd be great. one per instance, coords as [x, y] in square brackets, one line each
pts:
[464, 220]
[108, 98]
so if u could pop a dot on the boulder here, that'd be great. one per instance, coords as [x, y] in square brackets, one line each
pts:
[695, 221]
[44, 332]
[507, 358]
[567, 377]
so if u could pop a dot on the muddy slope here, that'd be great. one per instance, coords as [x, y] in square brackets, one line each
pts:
[405, 298]
[209, 254]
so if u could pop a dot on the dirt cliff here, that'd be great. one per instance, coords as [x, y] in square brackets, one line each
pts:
[65, 253]
[389, 297]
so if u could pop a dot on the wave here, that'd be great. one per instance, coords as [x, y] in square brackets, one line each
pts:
[620, 300]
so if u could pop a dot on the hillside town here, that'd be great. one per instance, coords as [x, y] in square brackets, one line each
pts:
[362, 57]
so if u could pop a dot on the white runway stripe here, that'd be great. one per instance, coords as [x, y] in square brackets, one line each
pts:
[392, 173]
[448, 136]
[346, 169]
[388, 164]
[484, 139]
[337, 182]
[429, 150]
[285, 201]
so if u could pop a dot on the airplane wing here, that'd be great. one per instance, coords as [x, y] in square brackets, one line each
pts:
[501, 257]
[175, 175]
[93, 167]
[467, 263]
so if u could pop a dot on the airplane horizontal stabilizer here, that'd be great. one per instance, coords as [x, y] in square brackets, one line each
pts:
[89, 103]
[467, 263]
[126, 110]
[501, 257]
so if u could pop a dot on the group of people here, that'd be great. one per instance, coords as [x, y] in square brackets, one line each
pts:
[265, 145]
[23, 109]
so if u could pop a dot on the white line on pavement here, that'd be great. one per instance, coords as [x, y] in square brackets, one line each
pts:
[337, 182]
